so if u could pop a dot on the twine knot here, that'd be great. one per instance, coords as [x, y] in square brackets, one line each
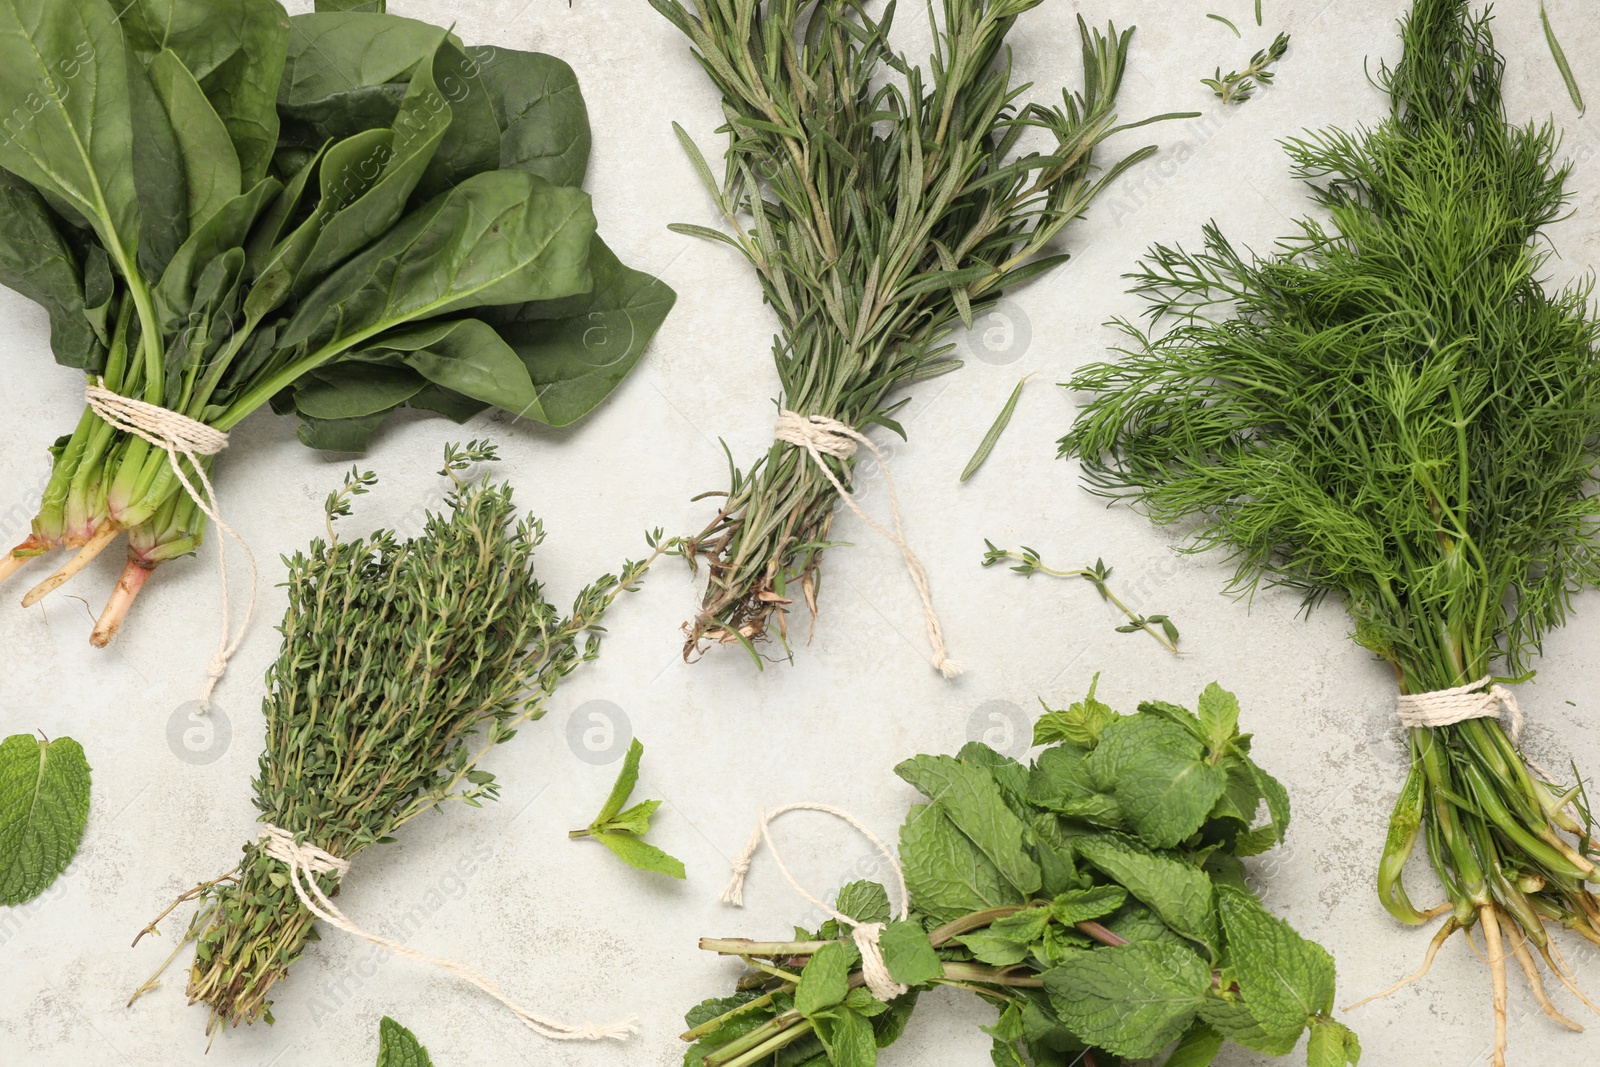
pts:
[874, 970]
[178, 436]
[821, 436]
[306, 860]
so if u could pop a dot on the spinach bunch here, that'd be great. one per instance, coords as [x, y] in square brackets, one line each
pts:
[1096, 897]
[340, 214]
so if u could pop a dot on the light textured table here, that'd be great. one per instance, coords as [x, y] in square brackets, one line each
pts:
[564, 925]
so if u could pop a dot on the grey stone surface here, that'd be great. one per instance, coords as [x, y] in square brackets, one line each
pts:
[564, 925]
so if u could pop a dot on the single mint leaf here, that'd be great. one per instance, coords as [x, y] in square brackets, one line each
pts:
[1173, 713]
[623, 789]
[1233, 1019]
[1285, 980]
[848, 1038]
[865, 902]
[1332, 1044]
[1276, 795]
[997, 950]
[399, 1047]
[971, 797]
[1025, 927]
[1219, 716]
[907, 953]
[44, 804]
[1009, 775]
[826, 978]
[636, 820]
[946, 874]
[861, 1001]
[1197, 1049]
[641, 854]
[1131, 1000]
[1081, 905]
[1160, 776]
[1062, 782]
[1179, 893]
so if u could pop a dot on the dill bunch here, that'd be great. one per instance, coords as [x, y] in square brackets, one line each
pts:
[880, 204]
[403, 663]
[1393, 408]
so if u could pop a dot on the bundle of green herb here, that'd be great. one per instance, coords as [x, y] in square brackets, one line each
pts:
[1096, 898]
[403, 664]
[1392, 408]
[339, 213]
[879, 213]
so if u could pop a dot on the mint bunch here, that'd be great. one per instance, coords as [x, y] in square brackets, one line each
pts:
[1097, 897]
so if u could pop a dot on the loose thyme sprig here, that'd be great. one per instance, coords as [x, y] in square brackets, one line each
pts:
[1239, 86]
[1029, 563]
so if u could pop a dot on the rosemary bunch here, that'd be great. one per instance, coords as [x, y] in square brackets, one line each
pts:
[1393, 408]
[877, 214]
[403, 663]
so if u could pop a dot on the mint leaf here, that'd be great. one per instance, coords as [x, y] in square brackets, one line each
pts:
[1285, 980]
[1197, 1049]
[826, 978]
[1008, 774]
[1180, 894]
[1080, 725]
[848, 1038]
[44, 804]
[1276, 795]
[1081, 905]
[1332, 1044]
[641, 854]
[1062, 782]
[623, 789]
[1219, 716]
[399, 1047]
[1131, 1000]
[946, 874]
[865, 902]
[1025, 927]
[1160, 776]
[621, 831]
[997, 950]
[971, 797]
[907, 953]
[636, 820]
[1234, 1020]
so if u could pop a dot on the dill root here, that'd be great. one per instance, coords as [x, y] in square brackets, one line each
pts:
[1392, 408]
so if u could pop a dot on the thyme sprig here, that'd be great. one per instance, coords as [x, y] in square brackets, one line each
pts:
[404, 662]
[1238, 86]
[1028, 562]
[880, 203]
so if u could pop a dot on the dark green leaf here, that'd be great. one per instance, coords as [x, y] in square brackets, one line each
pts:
[947, 875]
[544, 123]
[971, 798]
[1133, 1000]
[353, 390]
[36, 261]
[1160, 776]
[44, 804]
[399, 1047]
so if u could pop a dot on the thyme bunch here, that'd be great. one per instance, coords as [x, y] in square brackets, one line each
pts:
[1392, 408]
[403, 663]
[880, 204]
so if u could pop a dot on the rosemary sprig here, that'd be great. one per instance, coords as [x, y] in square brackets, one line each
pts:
[1238, 86]
[880, 203]
[1028, 563]
[403, 664]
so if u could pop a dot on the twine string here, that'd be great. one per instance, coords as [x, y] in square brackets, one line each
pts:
[880, 983]
[180, 436]
[821, 436]
[305, 861]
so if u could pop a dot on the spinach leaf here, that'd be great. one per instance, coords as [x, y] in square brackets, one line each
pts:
[36, 261]
[544, 123]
